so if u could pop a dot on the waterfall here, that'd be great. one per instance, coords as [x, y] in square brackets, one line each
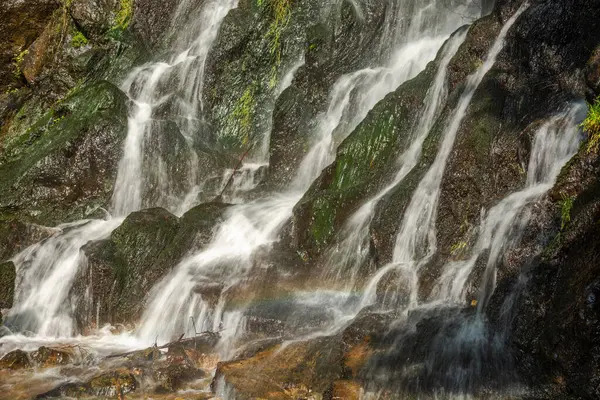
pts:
[350, 253]
[554, 144]
[45, 274]
[46, 270]
[416, 241]
[146, 88]
[224, 262]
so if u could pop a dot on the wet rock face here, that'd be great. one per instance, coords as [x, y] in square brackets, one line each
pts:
[21, 23]
[122, 269]
[152, 20]
[554, 320]
[257, 47]
[65, 164]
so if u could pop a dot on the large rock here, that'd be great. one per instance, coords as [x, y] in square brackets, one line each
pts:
[64, 166]
[298, 370]
[122, 269]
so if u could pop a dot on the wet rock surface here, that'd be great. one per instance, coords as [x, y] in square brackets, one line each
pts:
[63, 167]
[122, 269]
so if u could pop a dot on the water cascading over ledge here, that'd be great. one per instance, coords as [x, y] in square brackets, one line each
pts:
[318, 303]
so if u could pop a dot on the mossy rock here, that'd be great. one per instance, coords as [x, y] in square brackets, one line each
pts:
[66, 163]
[120, 269]
[17, 359]
[123, 269]
[259, 42]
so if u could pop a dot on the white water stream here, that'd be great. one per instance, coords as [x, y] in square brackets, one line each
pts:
[47, 269]
[416, 240]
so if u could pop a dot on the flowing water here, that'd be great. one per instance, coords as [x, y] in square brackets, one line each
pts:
[554, 144]
[414, 33]
[416, 240]
[46, 270]
[412, 46]
[351, 251]
[224, 264]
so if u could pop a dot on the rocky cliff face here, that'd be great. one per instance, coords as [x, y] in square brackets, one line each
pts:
[267, 78]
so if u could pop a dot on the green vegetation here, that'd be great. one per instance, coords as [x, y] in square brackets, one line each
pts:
[17, 61]
[281, 11]
[79, 40]
[243, 113]
[123, 17]
[323, 220]
[591, 126]
[458, 248]
[566, 205]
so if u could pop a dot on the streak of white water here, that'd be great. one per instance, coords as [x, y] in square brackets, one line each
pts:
[45, 273]
[222, 264]
[416, 241]
[350, 253]
[554, 144]
[226, 261]
[146, 87]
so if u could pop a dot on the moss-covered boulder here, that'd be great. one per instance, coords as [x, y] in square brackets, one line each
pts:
[122, 269]
[64, 165]
[8, 275]
[262, 41]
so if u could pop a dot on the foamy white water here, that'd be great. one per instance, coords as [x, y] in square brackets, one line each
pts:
[45, 273]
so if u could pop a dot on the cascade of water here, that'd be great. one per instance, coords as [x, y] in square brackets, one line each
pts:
[45, 273]
[416, 241]
[146, 87]
[554, 144]
[46, 270]
[225, 261]
[350, 253]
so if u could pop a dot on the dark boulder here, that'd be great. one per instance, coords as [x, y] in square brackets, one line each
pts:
[64, 166]
[114, 384]
[122, 269]
[17, 359]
